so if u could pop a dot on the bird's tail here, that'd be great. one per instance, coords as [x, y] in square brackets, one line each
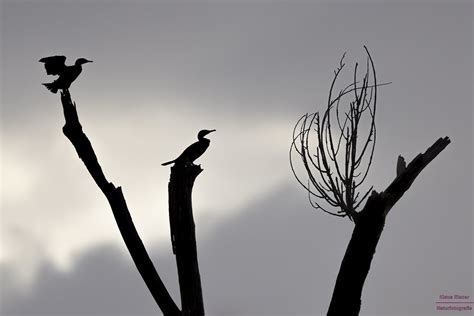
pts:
[167, 163]
[51, 87]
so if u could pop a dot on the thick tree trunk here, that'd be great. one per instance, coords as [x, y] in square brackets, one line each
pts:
[73, 131]
[183, 237]
[356, 262]
[369, 224]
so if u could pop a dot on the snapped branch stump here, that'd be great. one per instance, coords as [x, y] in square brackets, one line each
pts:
[183, 237]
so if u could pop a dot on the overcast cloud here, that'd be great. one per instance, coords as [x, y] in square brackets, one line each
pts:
[164, 70]
[276, 257]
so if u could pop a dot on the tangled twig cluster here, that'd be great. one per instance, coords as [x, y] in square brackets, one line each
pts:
[335, 153]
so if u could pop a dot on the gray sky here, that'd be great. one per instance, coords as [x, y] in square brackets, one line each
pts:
[164, 70]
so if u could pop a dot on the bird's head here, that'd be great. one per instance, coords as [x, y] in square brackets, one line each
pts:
[204, 132]
[81, 61]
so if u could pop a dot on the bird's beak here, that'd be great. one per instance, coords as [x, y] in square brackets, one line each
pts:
[208, 131]
[90, 61]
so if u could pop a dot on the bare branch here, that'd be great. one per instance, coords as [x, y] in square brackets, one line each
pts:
[73, 131]
[334, 175]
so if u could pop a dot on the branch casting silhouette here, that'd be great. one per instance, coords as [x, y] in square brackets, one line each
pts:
[183, 174]
[336, 156]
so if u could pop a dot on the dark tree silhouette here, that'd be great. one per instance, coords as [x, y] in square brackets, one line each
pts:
[181, 220]
[183, 237]
[336, 154]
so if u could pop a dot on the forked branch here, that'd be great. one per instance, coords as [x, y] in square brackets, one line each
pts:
[355, 266]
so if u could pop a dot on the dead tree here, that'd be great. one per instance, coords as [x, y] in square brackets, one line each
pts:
[181, 184]
[183, 237]
[336, 154]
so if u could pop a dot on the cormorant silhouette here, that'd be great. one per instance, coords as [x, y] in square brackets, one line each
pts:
[55, 65]
[194, 151]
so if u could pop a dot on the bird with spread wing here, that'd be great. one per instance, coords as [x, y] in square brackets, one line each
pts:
[55, 65]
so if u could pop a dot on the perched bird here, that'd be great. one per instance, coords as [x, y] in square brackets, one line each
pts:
[401, 165]
[194, 151]
[55, 65]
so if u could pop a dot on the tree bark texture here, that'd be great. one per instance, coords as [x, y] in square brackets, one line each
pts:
[73, 131]
[183, 237]
[369, 224]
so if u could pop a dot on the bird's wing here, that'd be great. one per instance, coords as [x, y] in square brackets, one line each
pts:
[54, 64]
